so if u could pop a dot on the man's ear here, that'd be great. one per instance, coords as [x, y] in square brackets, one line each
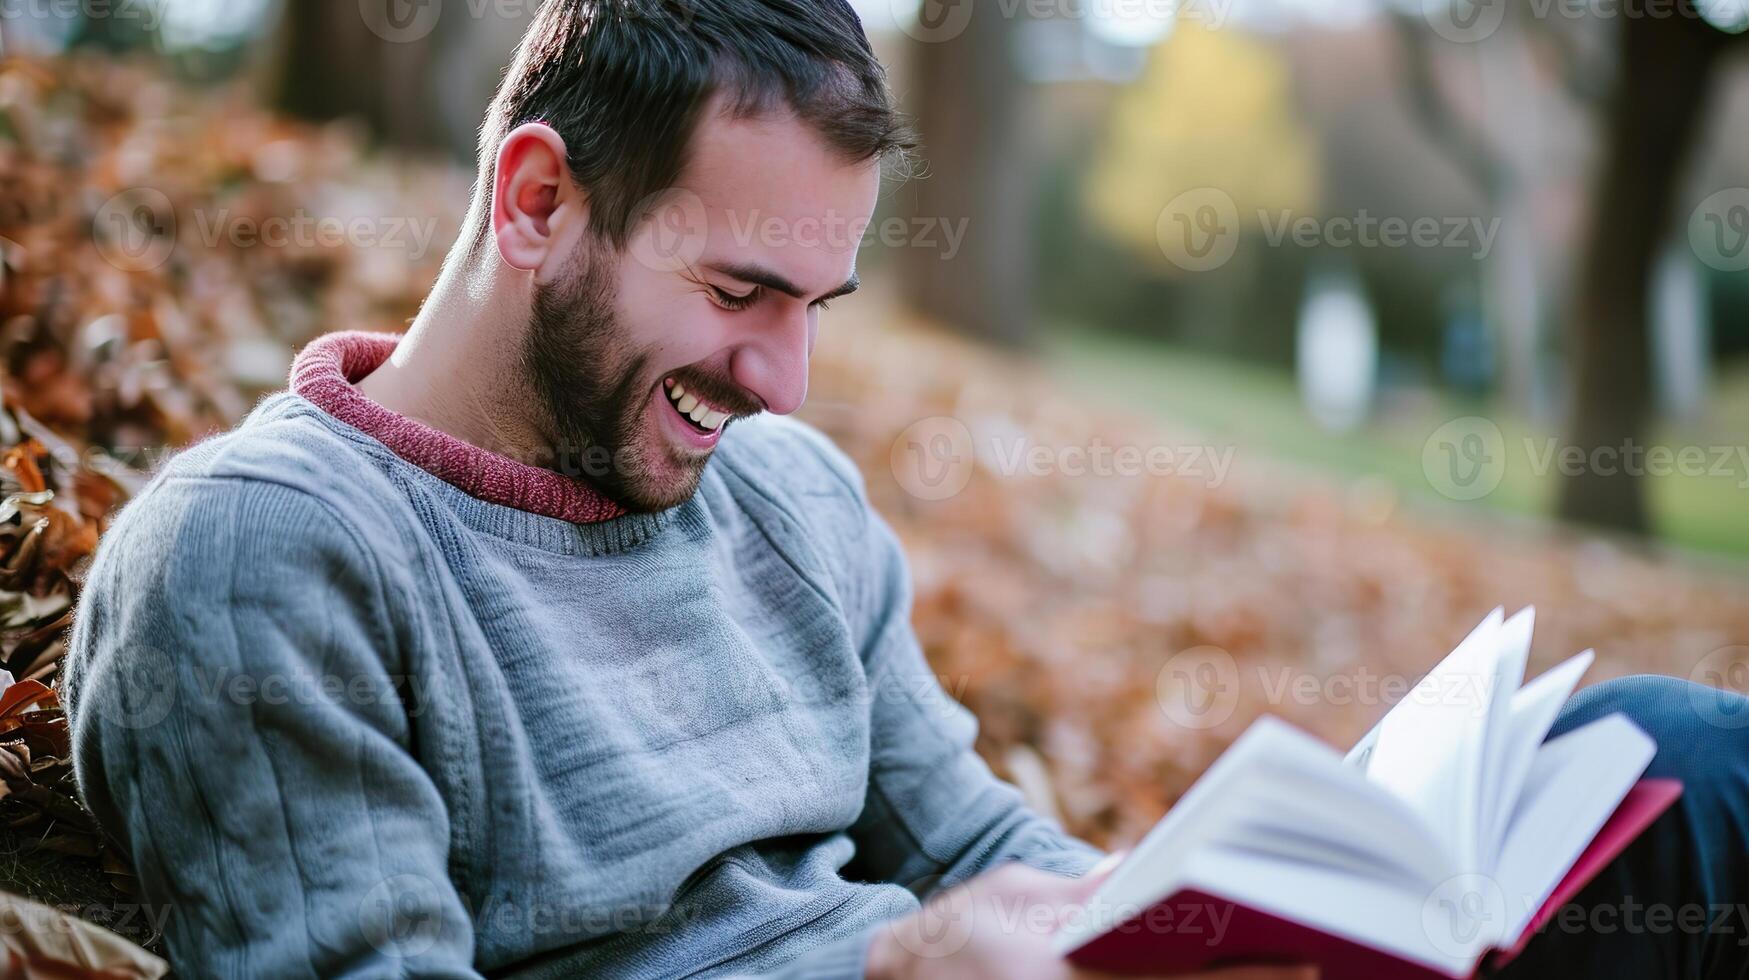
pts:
[531, 183]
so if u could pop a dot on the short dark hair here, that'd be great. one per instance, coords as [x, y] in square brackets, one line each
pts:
[624, 82]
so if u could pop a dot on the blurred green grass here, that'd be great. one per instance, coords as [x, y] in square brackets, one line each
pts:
[1258, 408]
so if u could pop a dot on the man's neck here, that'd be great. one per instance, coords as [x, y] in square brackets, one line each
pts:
[456, 369]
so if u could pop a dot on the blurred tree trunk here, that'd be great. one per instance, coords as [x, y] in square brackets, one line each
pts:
[333, 65]
[970, 111]
[1650, 122]
[1502, 154]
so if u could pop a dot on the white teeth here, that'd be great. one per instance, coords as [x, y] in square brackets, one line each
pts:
[702, 415]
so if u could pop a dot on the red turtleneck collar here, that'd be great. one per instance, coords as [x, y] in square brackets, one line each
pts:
[325, 372]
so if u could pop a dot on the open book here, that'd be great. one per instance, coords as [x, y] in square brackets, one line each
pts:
[1450, 832]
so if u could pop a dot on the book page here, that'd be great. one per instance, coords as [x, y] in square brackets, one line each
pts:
[1331, 817]
[1153, 865]
[1286, 800]
[1495, 791]
[1430, 749]
[1534, 709]
[1575, 783]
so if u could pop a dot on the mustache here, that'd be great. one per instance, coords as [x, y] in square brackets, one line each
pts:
[719, 392]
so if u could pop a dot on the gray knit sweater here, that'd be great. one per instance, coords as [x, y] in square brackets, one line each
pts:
[348, 720]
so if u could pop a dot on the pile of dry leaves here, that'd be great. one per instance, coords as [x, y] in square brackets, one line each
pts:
[1113, 633]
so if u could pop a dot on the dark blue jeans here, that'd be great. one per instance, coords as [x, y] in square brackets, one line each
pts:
[1676, 902]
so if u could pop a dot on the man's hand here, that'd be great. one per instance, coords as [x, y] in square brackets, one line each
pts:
[999, 924]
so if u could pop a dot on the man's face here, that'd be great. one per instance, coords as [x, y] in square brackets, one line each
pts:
[642, 356]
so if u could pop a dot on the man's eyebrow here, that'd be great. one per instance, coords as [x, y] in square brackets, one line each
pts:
[761, 276]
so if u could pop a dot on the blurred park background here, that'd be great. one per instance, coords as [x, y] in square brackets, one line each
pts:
[1226, 356]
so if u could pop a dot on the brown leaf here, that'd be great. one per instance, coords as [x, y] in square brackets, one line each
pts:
[42, 943]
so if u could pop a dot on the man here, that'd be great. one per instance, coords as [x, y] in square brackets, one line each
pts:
[535, 641]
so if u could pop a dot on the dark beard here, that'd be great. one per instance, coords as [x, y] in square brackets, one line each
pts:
[594, 389]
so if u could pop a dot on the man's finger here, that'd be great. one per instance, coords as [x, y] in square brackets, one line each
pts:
[1096, 875]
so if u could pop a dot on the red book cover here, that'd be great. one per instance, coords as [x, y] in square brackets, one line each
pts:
[1254, 936]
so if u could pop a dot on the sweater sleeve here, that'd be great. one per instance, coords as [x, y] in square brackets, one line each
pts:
[935, 814]
[238, 729]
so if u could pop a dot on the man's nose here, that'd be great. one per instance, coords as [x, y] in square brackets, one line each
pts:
[774, 364]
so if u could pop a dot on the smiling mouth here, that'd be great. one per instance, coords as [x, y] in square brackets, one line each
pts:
[705, 418]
